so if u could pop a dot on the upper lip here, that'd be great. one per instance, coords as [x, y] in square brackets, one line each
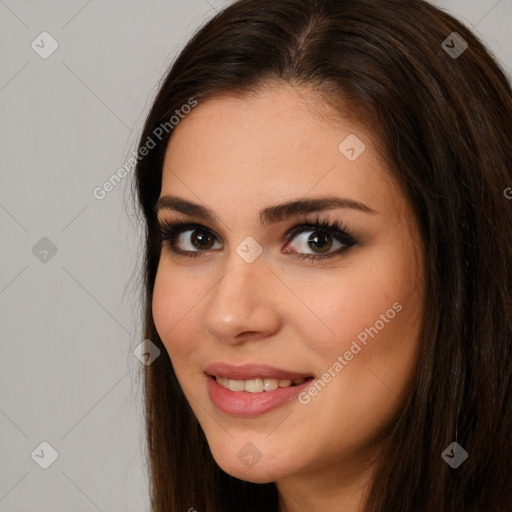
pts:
[252, 371]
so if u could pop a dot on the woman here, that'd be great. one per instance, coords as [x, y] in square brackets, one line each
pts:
[328, 264]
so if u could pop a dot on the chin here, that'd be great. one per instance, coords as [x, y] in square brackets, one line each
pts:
[255, 470]
[254, 475]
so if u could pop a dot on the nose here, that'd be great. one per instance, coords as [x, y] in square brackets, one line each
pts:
[243, 305]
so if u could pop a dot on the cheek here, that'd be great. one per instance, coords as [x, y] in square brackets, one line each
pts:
[173, 312]
[371, 314]
[375, 319]
[341, 307]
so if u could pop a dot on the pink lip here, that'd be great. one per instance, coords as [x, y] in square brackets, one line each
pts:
[251, 371]
[243, 403]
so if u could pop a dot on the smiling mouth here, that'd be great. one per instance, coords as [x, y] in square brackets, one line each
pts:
[251, 390]
[258, 385]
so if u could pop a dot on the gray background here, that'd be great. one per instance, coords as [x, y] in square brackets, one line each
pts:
[71, 320]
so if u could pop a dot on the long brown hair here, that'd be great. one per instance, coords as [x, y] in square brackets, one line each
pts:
[444, 122]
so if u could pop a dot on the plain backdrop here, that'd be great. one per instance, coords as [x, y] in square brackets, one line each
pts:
[69, 295]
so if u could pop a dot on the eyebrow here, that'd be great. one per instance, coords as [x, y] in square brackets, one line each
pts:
[270, 214]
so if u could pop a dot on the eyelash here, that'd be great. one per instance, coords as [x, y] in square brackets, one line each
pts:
[170, 229]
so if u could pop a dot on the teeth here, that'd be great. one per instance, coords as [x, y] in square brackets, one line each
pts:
[257, 385]
[222, 381]
[236, 385]
[253, 385]
[270, 384]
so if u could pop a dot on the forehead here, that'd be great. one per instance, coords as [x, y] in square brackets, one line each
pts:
[281, 141]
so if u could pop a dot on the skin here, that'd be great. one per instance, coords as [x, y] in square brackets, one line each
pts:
[236, 156]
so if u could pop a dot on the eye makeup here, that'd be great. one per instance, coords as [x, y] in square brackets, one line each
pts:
[171, 230]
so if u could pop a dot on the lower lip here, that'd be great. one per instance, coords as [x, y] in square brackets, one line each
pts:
[243, 403]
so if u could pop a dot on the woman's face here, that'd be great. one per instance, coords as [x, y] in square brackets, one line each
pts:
[250, 309]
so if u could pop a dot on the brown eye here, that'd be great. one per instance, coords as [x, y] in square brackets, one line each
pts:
[315, 241]
[325, 239]
[320, 243]
[186, 239]
[319, 239]
[201, 239]
[195, 239]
